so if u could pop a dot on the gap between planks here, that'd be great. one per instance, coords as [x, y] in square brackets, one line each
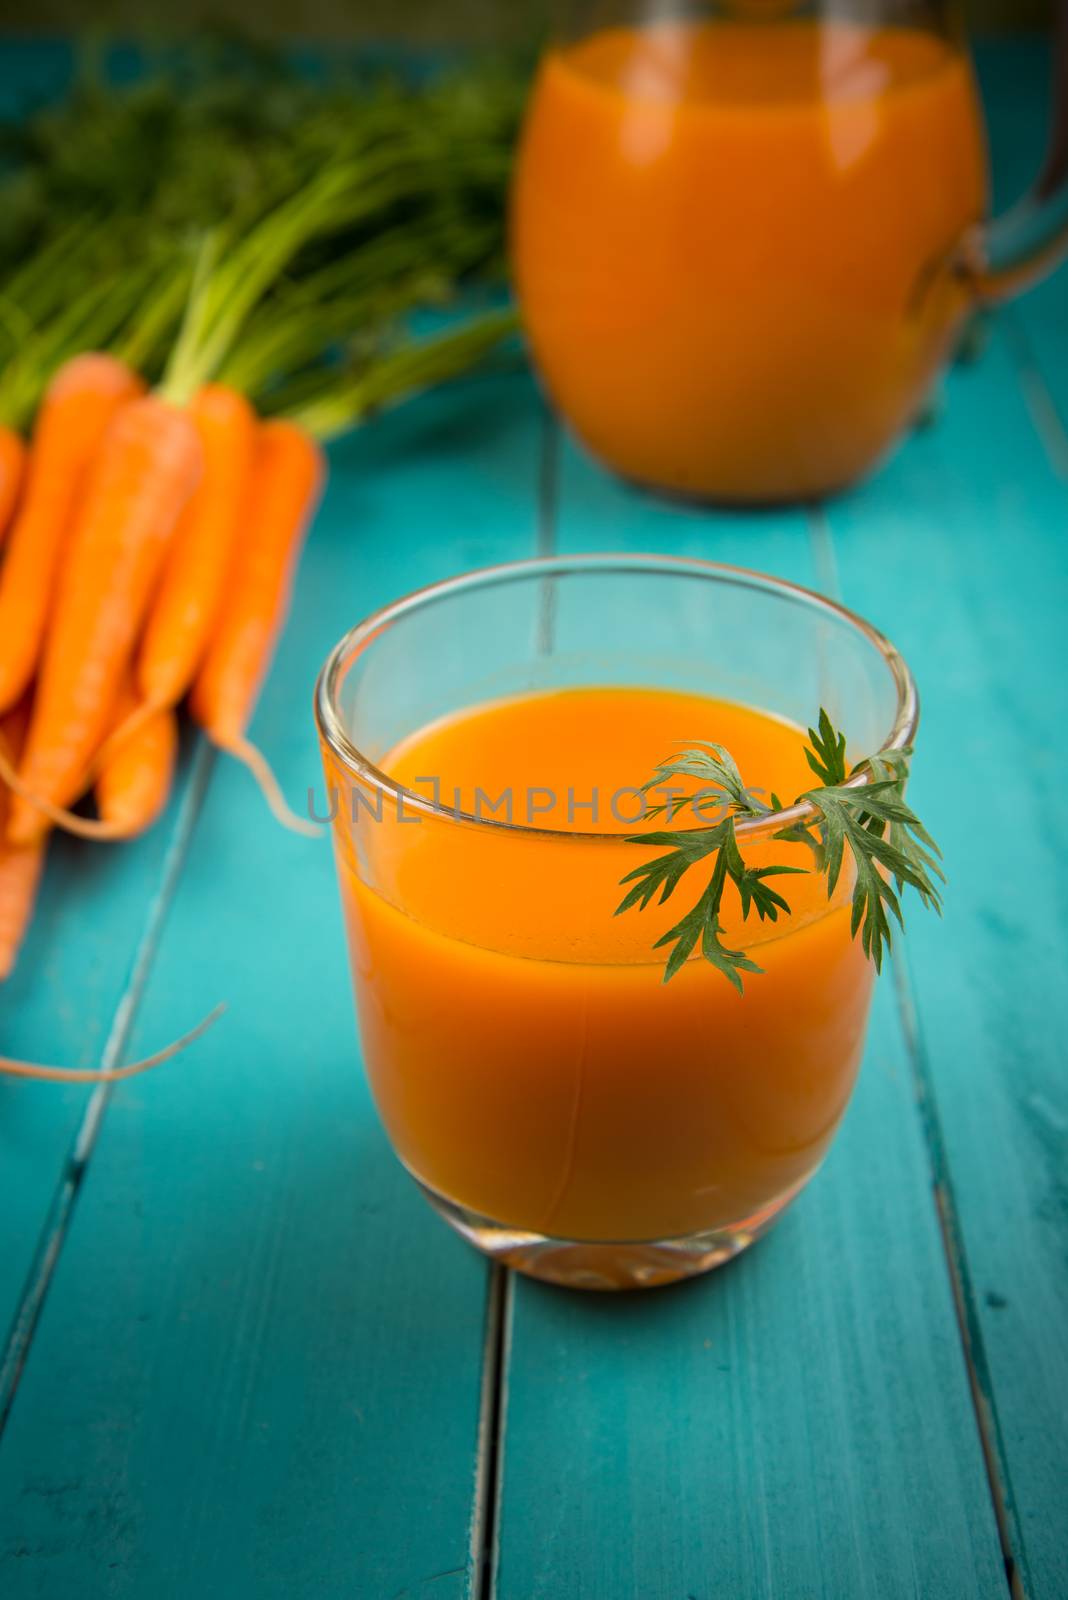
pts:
[1051, 429]
[61, 1211]
[484, 1544]
[973, 1348]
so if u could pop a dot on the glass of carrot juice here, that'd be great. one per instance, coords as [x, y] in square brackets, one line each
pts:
[485, 742]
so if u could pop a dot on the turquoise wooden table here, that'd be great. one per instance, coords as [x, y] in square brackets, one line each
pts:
[242, 1357]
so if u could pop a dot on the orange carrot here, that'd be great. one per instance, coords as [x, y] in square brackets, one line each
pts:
[12, 462]
[135, 778]
[178, 630]
[20, 873]
[190, 595]
[284, 489]
[145, 472]
[77, 409]
[20, 865]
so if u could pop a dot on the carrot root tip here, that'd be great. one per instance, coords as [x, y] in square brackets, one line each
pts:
[59, 816]
[33, 1069]
[254, 759]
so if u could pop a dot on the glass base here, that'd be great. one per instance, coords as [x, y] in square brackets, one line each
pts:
[590, 1264]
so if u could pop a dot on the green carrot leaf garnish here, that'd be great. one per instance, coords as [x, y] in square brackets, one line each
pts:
[890, 848]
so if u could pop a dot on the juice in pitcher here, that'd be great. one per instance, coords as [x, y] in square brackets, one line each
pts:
[730, 242]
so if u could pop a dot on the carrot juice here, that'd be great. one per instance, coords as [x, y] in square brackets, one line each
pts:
[530, 1065]
[732, 244]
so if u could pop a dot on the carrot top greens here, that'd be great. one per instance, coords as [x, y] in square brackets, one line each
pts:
[885, 840]
[227, 216]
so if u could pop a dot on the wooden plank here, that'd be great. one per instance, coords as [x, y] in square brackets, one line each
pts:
[258, 1368]
[75, 976]
[75, 972]
[72, 1001]
[979, 612]
[798, 1424]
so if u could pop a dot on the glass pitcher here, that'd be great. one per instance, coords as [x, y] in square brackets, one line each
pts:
[745, 235]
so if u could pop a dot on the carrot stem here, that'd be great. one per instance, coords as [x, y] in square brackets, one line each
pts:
[331, 404]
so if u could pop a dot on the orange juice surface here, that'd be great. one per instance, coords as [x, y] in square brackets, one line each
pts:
[526, 1057]
[731, 242]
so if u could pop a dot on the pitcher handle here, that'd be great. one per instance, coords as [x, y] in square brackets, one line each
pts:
[1002, 257]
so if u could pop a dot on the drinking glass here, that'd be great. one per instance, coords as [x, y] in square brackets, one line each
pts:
[746, 234]
[564, 1108]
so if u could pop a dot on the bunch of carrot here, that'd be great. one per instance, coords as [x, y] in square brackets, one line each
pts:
[150, 550]
[150, 557]
[150, 526]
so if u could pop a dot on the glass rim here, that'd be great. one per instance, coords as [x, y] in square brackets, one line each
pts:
[352, 644]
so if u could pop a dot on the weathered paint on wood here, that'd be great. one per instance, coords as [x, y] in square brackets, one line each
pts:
[979, 608]
[258, 1368]
[77, 973]
[798, 1424]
